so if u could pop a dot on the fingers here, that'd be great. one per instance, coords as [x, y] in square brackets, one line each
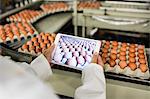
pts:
[95, 56]
[48, 52]
[97, 59]
[51, 50]
[100, 61]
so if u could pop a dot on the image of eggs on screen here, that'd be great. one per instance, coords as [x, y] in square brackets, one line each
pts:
[74, 52]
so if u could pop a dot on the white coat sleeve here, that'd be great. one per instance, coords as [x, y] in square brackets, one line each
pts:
[93, 83]
[16, 83]
[39, 67]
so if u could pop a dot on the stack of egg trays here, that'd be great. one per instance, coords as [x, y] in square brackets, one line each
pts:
[30, 21]
[32, 52]
[16, 42]
[85, 8]
[58, 10]
[126, 71]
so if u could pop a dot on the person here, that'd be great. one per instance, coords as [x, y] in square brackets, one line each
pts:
[21, 80]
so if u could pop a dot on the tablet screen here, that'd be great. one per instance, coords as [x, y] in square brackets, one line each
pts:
[74, 52]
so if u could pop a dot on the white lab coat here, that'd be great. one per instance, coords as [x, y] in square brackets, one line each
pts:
[18, 80]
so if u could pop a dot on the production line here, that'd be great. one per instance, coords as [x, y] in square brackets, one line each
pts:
[121, 27]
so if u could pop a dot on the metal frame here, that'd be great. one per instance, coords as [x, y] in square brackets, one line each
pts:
[88, 21]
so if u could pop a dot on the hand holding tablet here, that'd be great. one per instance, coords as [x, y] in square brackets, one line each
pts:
[74, 52]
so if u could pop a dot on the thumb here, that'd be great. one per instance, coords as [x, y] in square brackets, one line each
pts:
[51, 50]
[48, 52]
[95, 56]
[100, 61]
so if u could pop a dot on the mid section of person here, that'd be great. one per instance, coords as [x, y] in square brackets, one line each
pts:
[25, 81]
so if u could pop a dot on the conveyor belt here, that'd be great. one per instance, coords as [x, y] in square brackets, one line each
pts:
[53, 23]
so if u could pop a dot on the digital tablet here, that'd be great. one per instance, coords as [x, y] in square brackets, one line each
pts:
[74, 52]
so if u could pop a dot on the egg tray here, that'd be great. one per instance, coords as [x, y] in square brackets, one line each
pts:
[33, 52]
[16, 56]
[29, 21]
[55, 10]
[108, 75]
[15, 39]
[89, 5]
[126, 71]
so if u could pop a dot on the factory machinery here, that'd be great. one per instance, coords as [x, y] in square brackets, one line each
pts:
[122, 21]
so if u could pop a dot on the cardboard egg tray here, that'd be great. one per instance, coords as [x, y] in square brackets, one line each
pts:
[18, 38]
[31, 20]
[126, 70]
[38, 44]
[54, 7]
[88, 5]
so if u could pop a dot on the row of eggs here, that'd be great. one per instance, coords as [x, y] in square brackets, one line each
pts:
[131, 55]
[15, 29]
[26, 16]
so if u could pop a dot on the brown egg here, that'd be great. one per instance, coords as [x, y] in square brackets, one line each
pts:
[131, 59]
[38, 50]
[45, 37]
[132, 50]
[143, 67]
[124, 44]
[114, 51]
[122, 58]
[107, 42]
[104, 60]
[22, 28]
[24, 32]
[132, 45]
[42, 33]
[17, 33]
[122, 64]
[141, 51]
[10, 35]
[25, 46]
[132, 66]
[47, 34]
[112, 63]
[31, 31]
[34, 39]
[141, 47]
[141, 56]
[104, 50]
[122, 53]
[31, 48]
[142, 61]
[106, 46]
[115, 43]
[105, 55]
[36, 44]
[132, 54]
[51, 39]
[3, 37]
[123, 49]
[113, 56]
[115, 47]
[43, 45]
[40, 40]
[46, 41]
[53, 35]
